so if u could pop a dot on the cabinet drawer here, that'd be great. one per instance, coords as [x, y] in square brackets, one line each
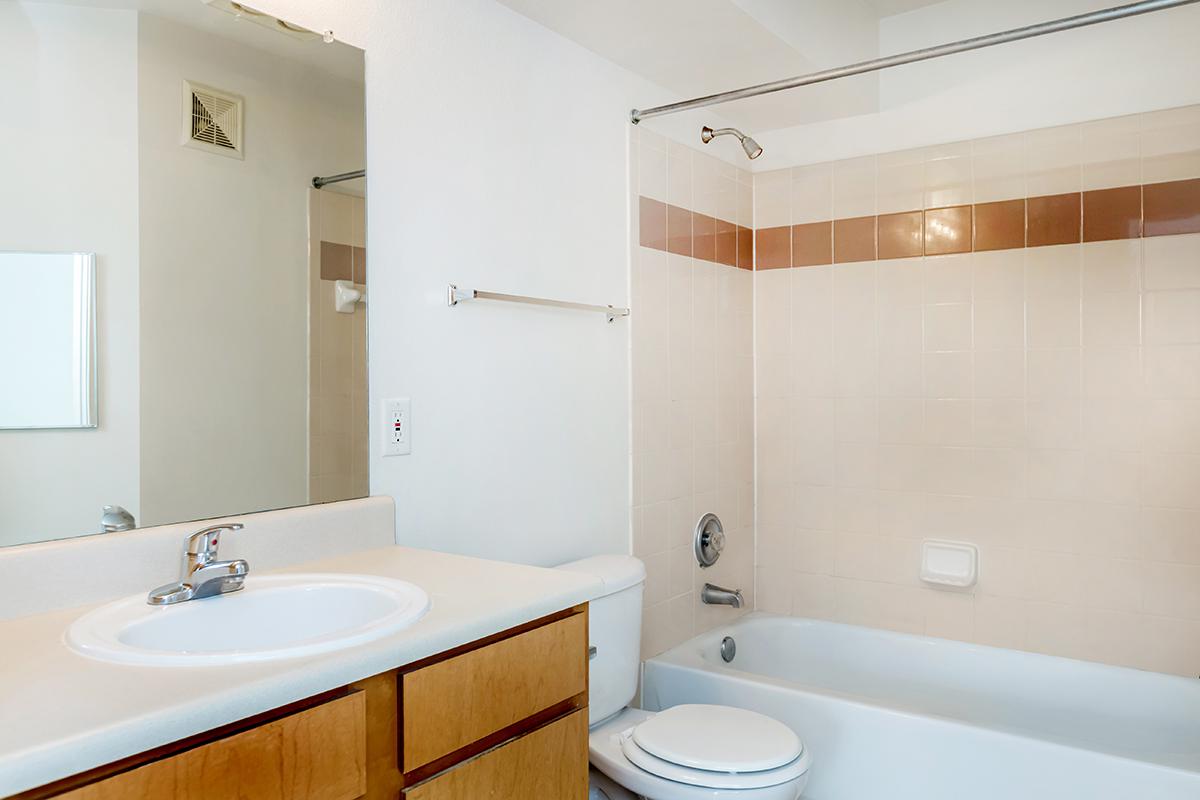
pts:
[550, 762]
[318, 753]
[454, 703]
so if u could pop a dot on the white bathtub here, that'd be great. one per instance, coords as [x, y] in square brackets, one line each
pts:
[890, 716]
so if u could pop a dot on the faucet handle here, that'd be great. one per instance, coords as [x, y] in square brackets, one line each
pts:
[203, 544]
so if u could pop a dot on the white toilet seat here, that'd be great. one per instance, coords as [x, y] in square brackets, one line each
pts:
[659, 779]
[711, 779]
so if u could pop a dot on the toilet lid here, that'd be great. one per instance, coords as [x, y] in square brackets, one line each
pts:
[718, 739]
[712, 780]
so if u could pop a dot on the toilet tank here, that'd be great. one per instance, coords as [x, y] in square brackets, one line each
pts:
[615, 630]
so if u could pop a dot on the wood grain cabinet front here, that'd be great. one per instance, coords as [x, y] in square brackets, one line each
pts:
[548, 764]
[451, 704]
[503, 718]
[319, 753]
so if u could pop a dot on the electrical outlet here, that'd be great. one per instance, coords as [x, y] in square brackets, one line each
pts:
[397, 426]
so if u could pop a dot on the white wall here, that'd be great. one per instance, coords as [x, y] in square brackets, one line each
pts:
[224, 278]
[68, 76]
[1139, 64]
[497, 158]
[512, 179]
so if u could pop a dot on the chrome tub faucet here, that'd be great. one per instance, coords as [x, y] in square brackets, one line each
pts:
[202, 575]
[720, 596]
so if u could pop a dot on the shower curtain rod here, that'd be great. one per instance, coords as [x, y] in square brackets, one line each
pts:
[1016, 34]
[318, 182]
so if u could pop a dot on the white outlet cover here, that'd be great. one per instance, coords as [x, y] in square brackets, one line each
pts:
[396, 426]
[949, 563]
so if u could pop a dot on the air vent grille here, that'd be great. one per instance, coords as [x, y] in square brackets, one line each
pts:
[212, 120]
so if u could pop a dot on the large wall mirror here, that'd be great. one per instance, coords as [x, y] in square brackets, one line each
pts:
[179, 337]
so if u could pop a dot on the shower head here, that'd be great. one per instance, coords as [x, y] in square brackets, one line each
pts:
[751, 147]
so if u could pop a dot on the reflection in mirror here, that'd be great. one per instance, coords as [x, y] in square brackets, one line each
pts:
[175, 143]
[47, 331]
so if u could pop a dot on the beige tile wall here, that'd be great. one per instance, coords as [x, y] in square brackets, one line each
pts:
[338, 420]
[1042, 403]
[692, 357]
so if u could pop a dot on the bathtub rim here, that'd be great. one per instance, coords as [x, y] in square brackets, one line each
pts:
[688, 656]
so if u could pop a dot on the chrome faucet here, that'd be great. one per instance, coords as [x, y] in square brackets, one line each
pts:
[202, 574]
[719, 596]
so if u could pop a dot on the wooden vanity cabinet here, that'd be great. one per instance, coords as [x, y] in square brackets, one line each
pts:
[503, 718]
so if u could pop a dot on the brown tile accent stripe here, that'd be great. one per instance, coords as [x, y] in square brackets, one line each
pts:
[1000, 226]
[679, 231]
[853, 239]
[902, 235]
[773, 247]
[337, 262]
[1172, 207]
[1053, 219]
[812, 244]
[662, 226]
[1122, 212]
[726, 243]
[745, 248]
[948, 230]
[360, 265]
[1112, 214]
[704, 237]
[652, 223]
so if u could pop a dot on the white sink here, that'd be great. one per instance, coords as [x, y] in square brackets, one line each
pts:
[273, 617]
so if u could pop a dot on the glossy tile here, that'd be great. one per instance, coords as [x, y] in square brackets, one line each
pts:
[901, 181]
[948, 230]
[812, 193]
[1171, 144]
[901, 235]
[998, 167]
[360, 265]
[1111, 152]
[1000, 225]
[812, 244]
[854, 239]
[854, 187]
[1053, 219]
[1172, 207]
[1053, 160]
[652, 223]
[704, 237]
[337, 262]
[948, 176]
[725, 243]
[745, 247]
[773, 248]
[1112, 214]
[679, 231]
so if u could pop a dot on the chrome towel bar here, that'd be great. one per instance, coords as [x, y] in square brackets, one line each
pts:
[455, 295]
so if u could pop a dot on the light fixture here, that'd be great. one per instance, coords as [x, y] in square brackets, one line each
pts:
[250, 14]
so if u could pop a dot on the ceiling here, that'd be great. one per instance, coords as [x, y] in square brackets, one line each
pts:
[697, 47]
[337, 58]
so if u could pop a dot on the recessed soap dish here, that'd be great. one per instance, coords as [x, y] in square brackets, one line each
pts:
[949, 563]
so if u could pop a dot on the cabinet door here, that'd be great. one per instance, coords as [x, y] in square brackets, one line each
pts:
[463, 699]
[550, 762]
[319, 754]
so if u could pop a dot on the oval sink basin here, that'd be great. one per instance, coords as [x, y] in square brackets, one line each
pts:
[273, 617]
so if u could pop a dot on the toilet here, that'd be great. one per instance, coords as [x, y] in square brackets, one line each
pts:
[688, 752]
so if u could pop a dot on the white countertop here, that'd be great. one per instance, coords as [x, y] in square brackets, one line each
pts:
[62, 713]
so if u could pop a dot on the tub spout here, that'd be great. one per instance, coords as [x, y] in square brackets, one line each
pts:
[719, 596]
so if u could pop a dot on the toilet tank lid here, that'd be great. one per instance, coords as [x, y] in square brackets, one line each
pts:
[616, 572]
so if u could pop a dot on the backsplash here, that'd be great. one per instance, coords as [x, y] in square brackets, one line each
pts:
[994, 341]
[693, 372]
